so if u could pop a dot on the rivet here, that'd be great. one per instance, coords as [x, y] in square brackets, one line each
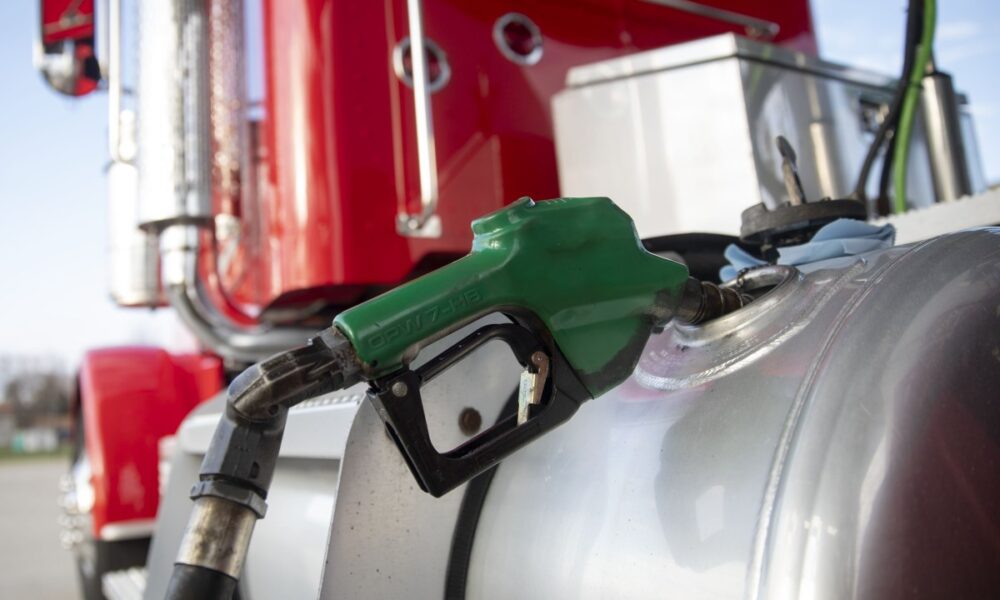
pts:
[469, 421]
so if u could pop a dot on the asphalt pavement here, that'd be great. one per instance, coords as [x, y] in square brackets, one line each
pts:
[33, 565]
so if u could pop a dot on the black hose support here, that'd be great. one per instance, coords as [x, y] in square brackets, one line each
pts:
[189, 582]
[236, 473]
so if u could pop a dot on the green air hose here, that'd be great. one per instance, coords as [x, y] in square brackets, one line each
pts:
[902, 144]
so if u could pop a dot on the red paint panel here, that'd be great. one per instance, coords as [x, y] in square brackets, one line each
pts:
[131, 398]
[66, 20]
[339, 139]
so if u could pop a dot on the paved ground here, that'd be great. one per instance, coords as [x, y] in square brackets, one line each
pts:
[32, 563]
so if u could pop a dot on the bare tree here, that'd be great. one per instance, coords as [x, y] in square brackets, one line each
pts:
[34, 387]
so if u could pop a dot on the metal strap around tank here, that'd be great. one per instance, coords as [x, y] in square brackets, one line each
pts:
[764, 534]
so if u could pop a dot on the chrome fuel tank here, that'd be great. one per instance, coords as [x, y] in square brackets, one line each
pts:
[838, 438]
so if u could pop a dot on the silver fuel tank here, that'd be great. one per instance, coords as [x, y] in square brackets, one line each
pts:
[838, 438]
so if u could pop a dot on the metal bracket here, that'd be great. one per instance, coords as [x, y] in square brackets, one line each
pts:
[425, 223]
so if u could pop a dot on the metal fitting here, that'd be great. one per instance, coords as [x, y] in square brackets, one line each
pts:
[703, 301]
[218, 537]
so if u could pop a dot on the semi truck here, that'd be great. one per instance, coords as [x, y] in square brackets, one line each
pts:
[743, 365]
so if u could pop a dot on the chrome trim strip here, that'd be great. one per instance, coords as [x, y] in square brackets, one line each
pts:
[114, 80]
[127, 530]
[719, 47]
[756, 27]
[426, 223]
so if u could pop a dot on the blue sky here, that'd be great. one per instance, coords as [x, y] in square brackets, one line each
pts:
[53, 233]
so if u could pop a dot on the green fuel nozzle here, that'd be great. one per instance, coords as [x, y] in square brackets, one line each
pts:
[572, 270]
[582, 296]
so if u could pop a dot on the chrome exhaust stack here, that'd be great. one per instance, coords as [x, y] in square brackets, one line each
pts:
[176, 159]
[134, 257]
[173, 115]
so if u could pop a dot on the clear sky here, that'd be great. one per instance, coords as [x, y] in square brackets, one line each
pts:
[53, 233]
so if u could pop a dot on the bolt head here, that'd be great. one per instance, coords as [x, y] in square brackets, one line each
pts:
[399, 389]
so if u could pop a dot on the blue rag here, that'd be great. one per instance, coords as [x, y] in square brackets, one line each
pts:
[843, 237]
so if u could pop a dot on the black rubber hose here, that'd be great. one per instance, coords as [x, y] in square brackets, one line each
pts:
[703, 253]
[464, 535]
[882, 202]
[189, 582]
[914, 26]
[914, 19]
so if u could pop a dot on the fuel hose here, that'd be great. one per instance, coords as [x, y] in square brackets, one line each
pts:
[901, 148]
